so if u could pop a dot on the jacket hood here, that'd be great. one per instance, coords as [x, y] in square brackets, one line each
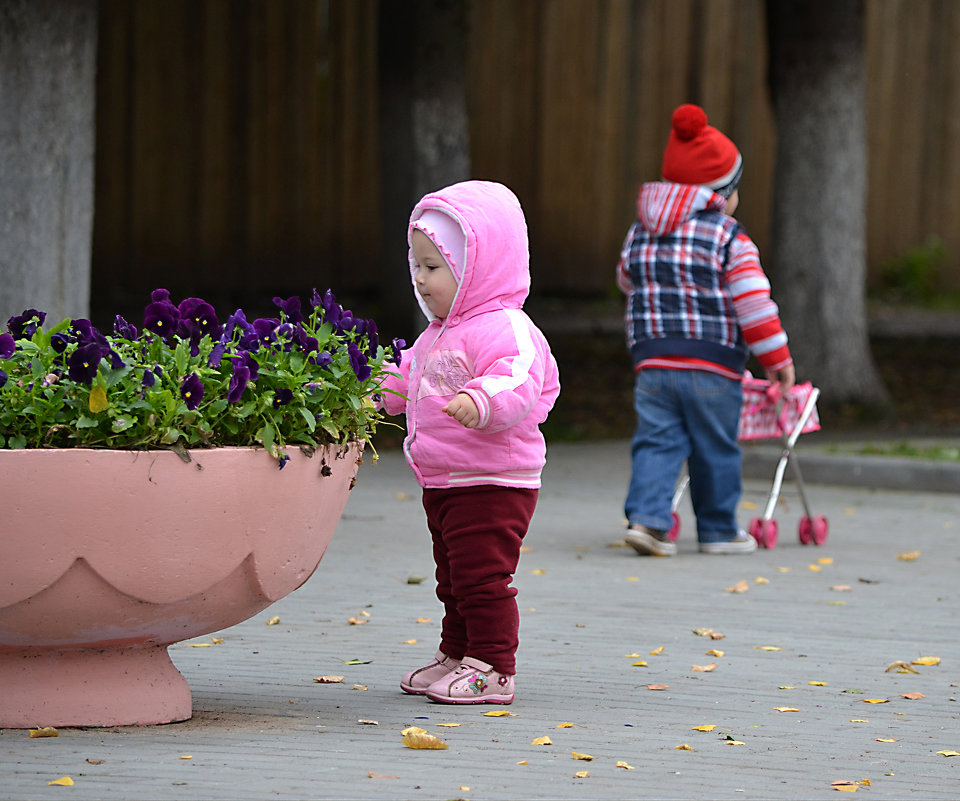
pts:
[663, 207]
[496, 263]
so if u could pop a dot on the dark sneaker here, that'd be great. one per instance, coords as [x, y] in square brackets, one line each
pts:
[649, 542]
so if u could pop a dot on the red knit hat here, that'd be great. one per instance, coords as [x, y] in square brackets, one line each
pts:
[698, 153]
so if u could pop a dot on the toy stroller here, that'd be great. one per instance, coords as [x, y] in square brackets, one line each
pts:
[766, 414]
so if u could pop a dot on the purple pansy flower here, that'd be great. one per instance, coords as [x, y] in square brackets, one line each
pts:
[124, 329]
[358, 361]
[3, 378]
[23, 326]
[161, 317]
[7, 346]
[282, 397]
[191, 390]
[59, 342]
[197, 319]
[397, 347]
[291, 308]
[331, 309]
[238, 383]
[322, 359]
[149, 378]
[84, 362]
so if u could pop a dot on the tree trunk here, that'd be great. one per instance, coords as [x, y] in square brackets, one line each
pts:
[425, 143]
[47, 102]
[818, 258]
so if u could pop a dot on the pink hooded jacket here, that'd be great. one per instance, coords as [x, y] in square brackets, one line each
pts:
[486, 347]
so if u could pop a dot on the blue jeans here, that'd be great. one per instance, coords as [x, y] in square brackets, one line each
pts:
[686, 416]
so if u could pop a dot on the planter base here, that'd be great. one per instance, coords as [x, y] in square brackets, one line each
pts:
[91, 687]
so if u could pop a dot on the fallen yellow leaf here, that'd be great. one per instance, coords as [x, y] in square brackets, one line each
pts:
[705, 727]
[704, 668]
[409, 642]
[624, 765]
[817, 683]
[541, 741]
[912, 696]
[949, 753]
[44, 731]
[875, 700]
[373, 775]
[825, 560]
[360, 687]
[901, 667]
[201, 645]
[584, 757]
[498, 713]
[740, 586]
[273, 621]
[631, 656]
[859, 720]
[639, 663]
[783, 569]
[564, 726]
[216, 640]
[656, 651]
[658, 686]
[538, 572]
[786, 709]
[328, 679]
[424, 619]
[761, 580]
[909, 556]
[187, 756]
[846, 788]
[735, 742]
[423, 741]
[464, 787]
[886, 740]
[926, 660]
[814, 568]
[841, 588]
[448, 725]
[353, 621]
[521, 762]
[413, 730]
[786, 687]
[714, 652]
[767, 647]
[684, 747]
[581, 774]
[63, 781]
[633, 578]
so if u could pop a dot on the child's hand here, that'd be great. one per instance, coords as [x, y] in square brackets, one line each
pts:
[463, 410]
[785, 376]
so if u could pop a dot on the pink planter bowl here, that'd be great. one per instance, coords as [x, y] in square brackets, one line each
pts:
[107, 557]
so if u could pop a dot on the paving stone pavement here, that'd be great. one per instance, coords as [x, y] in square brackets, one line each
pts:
[263, 728]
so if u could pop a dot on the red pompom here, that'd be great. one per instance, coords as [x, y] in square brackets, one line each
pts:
[688, 121]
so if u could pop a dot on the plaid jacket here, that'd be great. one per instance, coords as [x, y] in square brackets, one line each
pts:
[696, 292]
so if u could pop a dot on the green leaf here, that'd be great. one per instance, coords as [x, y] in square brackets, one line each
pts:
[86, 422]
[308, 418]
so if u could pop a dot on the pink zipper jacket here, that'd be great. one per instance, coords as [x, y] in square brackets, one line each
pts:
[487, 347]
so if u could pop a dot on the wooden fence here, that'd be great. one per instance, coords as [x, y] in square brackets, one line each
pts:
[238, 140]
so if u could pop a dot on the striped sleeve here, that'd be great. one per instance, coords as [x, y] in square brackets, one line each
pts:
[757, 314]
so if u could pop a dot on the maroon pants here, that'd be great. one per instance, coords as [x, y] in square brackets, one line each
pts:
[477, 532]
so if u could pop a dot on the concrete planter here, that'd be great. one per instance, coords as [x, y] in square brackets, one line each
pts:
[107, 557]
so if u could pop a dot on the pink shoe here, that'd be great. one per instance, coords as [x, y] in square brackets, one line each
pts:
[417, 681]
[473, 682]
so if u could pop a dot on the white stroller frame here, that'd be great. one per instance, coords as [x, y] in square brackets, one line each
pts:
[812, 528]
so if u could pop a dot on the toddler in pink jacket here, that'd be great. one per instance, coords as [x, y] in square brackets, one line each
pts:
[478, 383]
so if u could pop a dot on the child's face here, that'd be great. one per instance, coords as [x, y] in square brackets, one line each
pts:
[434, 280]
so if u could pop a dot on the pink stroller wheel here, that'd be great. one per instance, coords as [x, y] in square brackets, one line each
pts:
[674, 531]
[805, 530]
[764, 532]
[813, 530]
